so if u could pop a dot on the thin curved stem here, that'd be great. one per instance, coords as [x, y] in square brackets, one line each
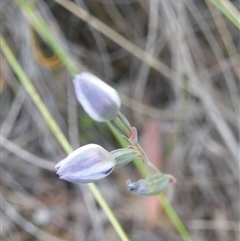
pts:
[153, 167]
[174, 217]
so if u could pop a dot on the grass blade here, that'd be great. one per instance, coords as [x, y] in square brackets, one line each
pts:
[228, 9]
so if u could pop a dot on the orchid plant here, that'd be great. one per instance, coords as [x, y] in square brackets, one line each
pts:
[92, 162]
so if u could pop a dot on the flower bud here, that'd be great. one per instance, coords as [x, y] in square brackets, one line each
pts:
[150, 186]
[97, 98]
[88, 163]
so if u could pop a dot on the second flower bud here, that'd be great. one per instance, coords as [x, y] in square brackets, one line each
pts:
[91, 163]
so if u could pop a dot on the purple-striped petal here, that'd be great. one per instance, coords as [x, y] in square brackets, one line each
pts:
[97, 98]
[88, 163]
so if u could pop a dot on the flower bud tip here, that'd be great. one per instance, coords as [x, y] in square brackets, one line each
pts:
[97, 98]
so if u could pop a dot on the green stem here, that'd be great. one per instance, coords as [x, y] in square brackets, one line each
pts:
[57, 131]
[153, 167]
[229, 10]
[49, 37]
[174, 217]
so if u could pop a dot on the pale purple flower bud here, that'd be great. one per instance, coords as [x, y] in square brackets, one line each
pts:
[97, 98]
[150, 186]
[88, 163]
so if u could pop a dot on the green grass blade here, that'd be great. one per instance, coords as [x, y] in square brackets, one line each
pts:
[228, 9]
[57, 131]
[48, 36]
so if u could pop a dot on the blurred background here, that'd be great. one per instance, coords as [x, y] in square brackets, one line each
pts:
[175, 65]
